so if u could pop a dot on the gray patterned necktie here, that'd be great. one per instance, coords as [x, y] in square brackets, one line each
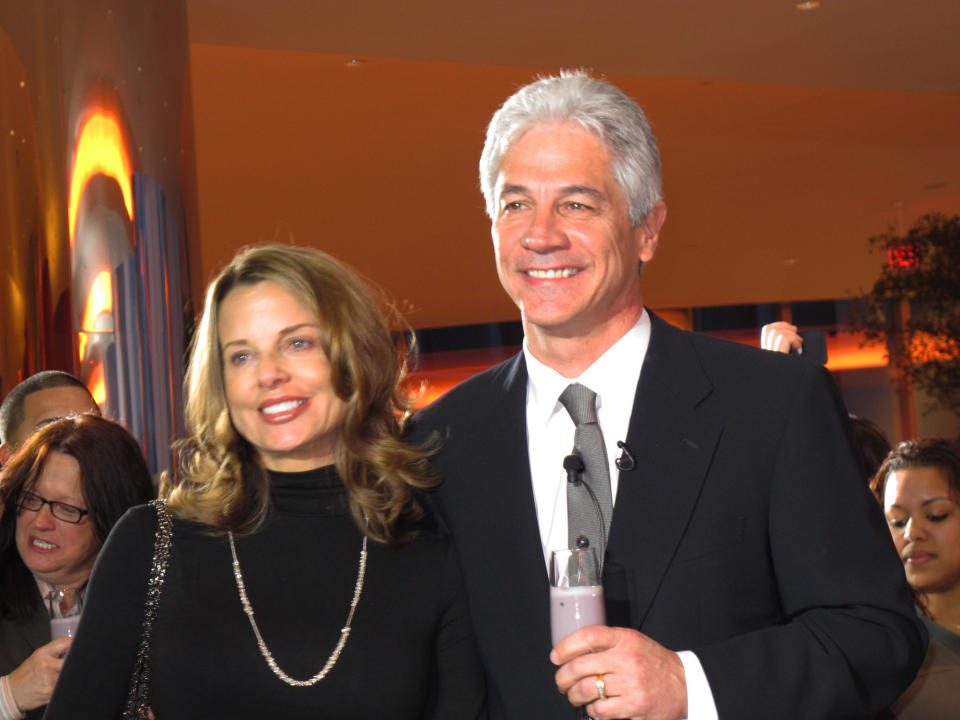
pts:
[586, 515]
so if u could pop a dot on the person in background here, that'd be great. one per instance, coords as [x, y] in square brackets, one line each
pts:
[40, 399]
[747, 570]
[780, 336]
[869, 440]
[62, 493]
[303, 581]
[918, 485]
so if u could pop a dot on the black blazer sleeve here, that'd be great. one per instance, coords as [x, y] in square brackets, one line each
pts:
[846, 641]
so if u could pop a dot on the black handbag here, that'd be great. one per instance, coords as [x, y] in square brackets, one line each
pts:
[138, 698]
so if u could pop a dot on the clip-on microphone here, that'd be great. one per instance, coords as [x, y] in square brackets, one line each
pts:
[573, 464]
[626, 462]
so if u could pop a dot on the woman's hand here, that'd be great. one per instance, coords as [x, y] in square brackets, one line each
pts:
[32, 683]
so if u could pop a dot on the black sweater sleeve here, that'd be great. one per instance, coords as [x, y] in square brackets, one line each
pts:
[96, 675]
[460, 688]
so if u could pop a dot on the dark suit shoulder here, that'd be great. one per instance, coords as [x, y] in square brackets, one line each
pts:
[732, 367]
[471, 400]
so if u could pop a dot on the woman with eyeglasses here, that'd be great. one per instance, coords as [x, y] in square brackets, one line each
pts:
[61, 494]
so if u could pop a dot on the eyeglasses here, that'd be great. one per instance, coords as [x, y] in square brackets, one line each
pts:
[60, 510]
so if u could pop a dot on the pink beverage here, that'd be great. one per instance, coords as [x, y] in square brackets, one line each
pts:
[572, 608]
[64, 626]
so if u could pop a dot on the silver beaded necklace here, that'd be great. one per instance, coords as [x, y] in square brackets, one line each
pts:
[344, 631]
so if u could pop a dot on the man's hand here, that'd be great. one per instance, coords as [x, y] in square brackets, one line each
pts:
[780, 337]
[642, 678]
[32, 683]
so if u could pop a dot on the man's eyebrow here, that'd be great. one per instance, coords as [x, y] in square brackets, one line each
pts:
[582, 190]
[566, 190]
[512, 189]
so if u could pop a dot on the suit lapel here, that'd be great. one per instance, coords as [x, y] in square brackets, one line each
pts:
[515, 488]
[673, 441]
[496, 525]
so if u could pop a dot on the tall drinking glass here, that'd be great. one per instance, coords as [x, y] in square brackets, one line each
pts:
[576, 595]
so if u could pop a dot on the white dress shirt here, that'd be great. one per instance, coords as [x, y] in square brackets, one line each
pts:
[550, 430]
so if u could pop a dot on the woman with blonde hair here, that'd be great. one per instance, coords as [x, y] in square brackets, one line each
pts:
[302, 580]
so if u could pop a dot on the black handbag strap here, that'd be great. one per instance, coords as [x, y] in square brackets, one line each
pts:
[138, 698]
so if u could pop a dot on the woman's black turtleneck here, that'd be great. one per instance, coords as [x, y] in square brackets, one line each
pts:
[410, 653]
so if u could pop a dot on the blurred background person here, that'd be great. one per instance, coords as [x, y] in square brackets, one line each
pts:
[869, 440]
[40, 398]
[294, 462]
[780, 336]
[62, 493]
[919, 487]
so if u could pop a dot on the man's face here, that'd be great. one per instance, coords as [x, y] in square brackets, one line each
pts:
[566, 251]
[48, 404]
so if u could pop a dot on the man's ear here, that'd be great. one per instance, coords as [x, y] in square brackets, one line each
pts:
[5, 454]
[648, 232]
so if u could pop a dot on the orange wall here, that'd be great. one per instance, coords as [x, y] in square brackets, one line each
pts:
[772, 190]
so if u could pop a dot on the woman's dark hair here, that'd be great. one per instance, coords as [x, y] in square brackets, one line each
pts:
[872, 445]
[924, 452]
[113, 478]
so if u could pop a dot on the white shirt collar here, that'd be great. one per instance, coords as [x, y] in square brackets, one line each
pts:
[613, 376]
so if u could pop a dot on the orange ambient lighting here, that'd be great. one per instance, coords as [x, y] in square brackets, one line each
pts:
[926, 347]
[97, 386]
[101, 150]
[857, 358]
[99, 301]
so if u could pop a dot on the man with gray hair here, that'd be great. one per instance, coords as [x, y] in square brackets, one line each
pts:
[747, 571]
[38, 400]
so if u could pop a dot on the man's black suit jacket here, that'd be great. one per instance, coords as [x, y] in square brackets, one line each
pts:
[745, 534]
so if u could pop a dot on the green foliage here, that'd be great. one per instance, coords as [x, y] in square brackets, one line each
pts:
[923, 269]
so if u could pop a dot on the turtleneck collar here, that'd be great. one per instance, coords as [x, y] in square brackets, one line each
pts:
[318, 491]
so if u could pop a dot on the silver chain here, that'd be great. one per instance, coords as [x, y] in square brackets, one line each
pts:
[344, 631]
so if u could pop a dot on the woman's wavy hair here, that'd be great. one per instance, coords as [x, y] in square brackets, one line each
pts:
[223, 483]
[113, 478]
[923, 452]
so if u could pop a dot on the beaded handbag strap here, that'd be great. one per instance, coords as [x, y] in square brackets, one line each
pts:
[138, 697]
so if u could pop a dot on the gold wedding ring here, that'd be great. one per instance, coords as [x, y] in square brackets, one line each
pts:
[601, 687]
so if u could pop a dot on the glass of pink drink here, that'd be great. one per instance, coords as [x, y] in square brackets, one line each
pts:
[64, 607]
[63, 627]
[576, 595]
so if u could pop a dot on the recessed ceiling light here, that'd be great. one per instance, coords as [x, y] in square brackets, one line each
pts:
[808, 5]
